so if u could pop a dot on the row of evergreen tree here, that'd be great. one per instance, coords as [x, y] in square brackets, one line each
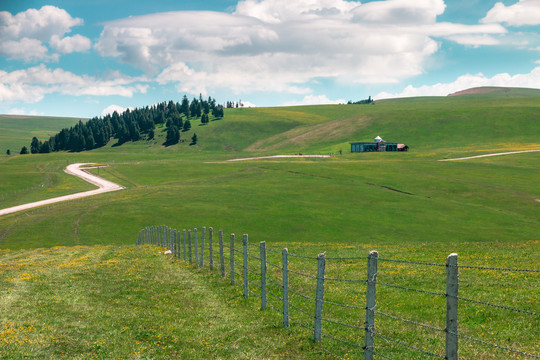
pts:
[131, 125]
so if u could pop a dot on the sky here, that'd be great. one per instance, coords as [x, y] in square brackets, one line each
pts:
[83, 58]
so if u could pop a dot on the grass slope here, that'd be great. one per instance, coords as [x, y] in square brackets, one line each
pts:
[18, 131]
[123, 302]
[406, 205]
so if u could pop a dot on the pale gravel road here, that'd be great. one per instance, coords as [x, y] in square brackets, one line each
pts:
[280, 156]
[487, 155]
[73, 169]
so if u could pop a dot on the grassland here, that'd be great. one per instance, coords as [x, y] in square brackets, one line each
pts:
[18, 131]
[406, 205]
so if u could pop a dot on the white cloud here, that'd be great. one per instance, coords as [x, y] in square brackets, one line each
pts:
[400, 12]
[22, 111]
[24, 35]
[530, 80]
[281, 45]
[112, 108]
[26, 49]
[70, 44]
[32, 84]
[315, 100]
[524, 12]
[474, 40]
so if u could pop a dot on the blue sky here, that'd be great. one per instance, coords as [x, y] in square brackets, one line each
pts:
[86, 58]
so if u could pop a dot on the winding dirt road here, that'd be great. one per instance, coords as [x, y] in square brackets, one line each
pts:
[76, 170]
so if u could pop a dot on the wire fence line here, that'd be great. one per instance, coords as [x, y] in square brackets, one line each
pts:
[260, 271]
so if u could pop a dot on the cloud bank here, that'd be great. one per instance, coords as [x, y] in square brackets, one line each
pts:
[32, 84]
[27, 34]
[530, 80]
[524, 12]
[282, 46]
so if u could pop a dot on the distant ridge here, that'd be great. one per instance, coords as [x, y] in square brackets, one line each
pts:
[495, 90]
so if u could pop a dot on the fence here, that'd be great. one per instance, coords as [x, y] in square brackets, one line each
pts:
[298, 287]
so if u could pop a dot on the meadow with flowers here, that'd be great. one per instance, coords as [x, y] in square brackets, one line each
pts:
[74, 285]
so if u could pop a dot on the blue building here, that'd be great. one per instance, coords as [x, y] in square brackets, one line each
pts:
[378, 145]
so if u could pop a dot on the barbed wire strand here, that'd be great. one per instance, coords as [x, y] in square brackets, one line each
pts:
[495, 305]
[275, 308]
[460, 266]
[301, 324]
[301, 295]
[300, 309]
[341, 340]
[254, 293]
[381, 355]
[495, 345]
[347, 258]
[274, 265]
[344, 305]
[413, 262]
[343, 324]
[411, 289]
[302, 274]
[345, 280]
[303, 256]
[274, 295]
[409, 321]
[407, 345]
[331, 353]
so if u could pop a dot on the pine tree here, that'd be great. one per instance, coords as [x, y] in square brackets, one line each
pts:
[194, 139]
[23, 151]
[187, 125]
[8, 152]
[34, 146]
[173, 136]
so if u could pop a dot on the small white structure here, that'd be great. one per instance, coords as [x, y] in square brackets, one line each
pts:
[378, 139]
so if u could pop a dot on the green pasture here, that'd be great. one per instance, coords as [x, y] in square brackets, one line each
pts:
[18, 131]
[405, 205]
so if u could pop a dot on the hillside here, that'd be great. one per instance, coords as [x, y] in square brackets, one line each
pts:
[17, 131]
[77, 259]
[123, 302]
[499, 92]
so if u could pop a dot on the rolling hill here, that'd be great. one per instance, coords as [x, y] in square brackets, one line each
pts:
[408, 206]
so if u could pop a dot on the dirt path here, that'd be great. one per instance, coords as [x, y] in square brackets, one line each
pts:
[280, 156]
[73, 169]
[487, 155]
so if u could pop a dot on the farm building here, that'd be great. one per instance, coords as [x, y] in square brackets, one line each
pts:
[378, 144]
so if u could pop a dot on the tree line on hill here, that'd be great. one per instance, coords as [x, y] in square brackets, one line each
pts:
[131, 125]
[369, 100]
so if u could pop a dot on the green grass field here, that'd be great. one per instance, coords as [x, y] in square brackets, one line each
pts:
[18, 131]
[405, 205]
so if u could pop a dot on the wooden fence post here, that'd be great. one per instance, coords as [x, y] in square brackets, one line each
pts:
[211, 247]
[232, 259]
[452, 287]
[319, 296]
[174, 242]
[196, 245]
[163, 236]
[370, 304]
[285, 266]
[263, 276]
[177, 244]
[189, 246]
[221, 257]
[246, 274]
[201, 264]
[184, 241]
